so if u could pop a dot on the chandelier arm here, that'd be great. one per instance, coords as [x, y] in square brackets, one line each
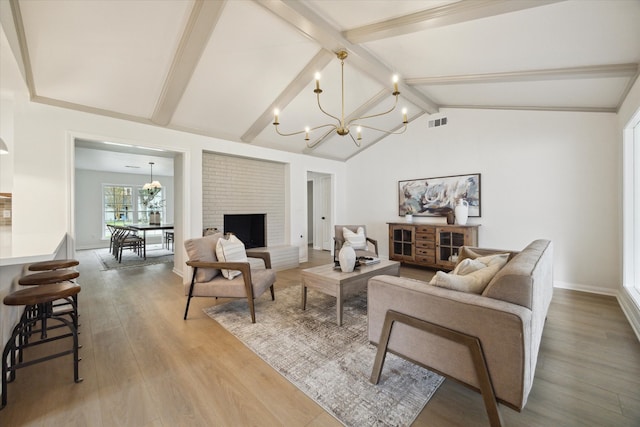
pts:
[322, 138]
[333, 127]
[388, 132]
[354, 140]
[288, 134]
[322, 109]
[395, 104]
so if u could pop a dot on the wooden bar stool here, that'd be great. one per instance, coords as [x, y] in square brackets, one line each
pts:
[55, 264]
[45, 278]
[48, 277]
[40, 297]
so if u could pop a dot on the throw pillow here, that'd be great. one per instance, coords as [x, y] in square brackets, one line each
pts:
[231, 250]
[357, 240]
[467, 266]
[496, 259]
[204, 249]
[471, 283]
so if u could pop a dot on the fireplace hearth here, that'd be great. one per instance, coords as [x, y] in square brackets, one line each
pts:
[250, 228]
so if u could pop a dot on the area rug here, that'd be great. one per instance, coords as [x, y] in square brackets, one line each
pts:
[329, 363]
[156, 254]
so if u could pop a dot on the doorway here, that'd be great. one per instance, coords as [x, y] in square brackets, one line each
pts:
[320, 210]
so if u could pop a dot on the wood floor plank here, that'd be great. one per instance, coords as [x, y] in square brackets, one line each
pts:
[143, 365]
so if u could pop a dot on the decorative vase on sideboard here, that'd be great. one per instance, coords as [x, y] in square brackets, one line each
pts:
[462, 212]
[154, 218]
[347, 258]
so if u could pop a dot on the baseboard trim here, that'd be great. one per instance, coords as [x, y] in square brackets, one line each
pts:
[585, 288]
[631, 310]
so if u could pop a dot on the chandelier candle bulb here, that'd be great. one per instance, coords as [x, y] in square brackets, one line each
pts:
[275, 117]
[317, 82]
[395, 84]
[404, 116]
[306, 136]
[359, 132]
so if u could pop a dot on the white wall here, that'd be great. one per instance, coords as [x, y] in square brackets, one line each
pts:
[550, 175]
[544, 175]
[88, 203]
[6, 133]
[43, 189]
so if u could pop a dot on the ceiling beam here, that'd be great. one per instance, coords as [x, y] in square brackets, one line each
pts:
[14, 30]
[587, 72]
[202, 21]
[453, 13]
[381, 137]
[317, 29]
[536, 108]
[318, 62]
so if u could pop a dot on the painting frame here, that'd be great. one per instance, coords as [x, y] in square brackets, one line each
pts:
[436, 196]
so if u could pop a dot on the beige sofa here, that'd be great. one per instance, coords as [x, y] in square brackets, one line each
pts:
[487, 341]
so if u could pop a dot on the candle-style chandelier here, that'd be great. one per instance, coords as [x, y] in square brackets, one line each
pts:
[342, 126]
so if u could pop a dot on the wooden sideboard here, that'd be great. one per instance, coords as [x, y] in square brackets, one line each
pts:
[429, 245]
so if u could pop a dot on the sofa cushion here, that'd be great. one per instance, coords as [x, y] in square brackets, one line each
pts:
[204, 249]
[357, 240]
[231, 250]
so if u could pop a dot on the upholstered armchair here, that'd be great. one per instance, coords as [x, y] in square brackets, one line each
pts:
[364, 245]
[233, 277]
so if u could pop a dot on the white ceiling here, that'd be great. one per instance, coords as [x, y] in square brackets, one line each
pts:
[219, 68]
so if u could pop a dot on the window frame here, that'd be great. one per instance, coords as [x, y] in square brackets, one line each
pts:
[631, 208]
[134, 212]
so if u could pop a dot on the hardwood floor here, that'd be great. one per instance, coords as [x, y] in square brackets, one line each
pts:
[145, 366]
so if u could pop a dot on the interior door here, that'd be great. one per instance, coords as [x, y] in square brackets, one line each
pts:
[325, 212]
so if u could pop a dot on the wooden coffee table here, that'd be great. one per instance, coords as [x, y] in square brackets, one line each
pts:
[331, 281]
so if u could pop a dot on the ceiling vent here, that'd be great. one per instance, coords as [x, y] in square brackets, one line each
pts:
[437, 122]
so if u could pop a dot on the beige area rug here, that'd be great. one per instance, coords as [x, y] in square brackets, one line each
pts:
[330, 364]
[156, 254]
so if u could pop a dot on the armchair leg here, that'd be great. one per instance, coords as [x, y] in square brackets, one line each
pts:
[472, 343]
[193, 283]
[273, 295]
[252, 310]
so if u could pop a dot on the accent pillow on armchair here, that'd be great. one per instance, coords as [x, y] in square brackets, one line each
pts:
[356, 235]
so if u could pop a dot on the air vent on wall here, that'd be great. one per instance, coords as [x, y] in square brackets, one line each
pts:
[437, 122]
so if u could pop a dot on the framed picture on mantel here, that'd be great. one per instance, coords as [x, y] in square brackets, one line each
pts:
[439, 195]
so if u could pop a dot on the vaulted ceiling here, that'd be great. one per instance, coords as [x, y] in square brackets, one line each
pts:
[219, 68]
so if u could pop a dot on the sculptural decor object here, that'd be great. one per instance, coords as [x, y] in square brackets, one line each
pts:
[347, 257]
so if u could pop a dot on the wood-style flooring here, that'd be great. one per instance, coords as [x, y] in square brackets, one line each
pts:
[143, 365]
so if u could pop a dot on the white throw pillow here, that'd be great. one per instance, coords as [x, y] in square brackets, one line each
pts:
[467, 266]
[231, 250]
[496, 259]
[472, 283]
[356, 240]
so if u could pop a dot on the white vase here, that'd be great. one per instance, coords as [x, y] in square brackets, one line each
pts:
[408, 217]
[462, 212]
[347, 258]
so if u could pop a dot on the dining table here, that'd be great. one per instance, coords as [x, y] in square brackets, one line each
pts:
[149, 227]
